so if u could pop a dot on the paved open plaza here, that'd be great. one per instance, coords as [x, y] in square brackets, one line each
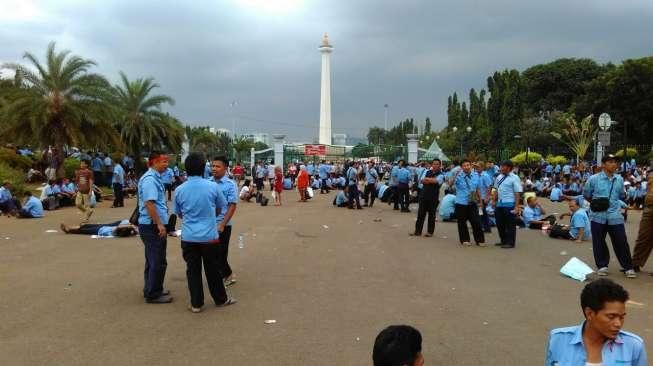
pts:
[331, 278]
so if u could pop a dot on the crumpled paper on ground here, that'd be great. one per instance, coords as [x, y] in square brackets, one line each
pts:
[576, 269]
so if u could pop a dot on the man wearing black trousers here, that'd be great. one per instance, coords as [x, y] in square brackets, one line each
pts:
[352, 179]
[229, 191]
[467, 198]
[428, 199]
[506, 204]
[371, 177]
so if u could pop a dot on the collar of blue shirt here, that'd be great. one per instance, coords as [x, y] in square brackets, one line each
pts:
[578, 335]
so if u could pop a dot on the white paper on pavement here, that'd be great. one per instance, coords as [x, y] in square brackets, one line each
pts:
[576, 269]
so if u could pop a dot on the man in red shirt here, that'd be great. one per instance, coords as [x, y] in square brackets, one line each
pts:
[84, 182]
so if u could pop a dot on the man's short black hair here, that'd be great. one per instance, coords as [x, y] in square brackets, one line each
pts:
[88, 162]
[28, 194]
[155, 154]
[598, 292]
[465, 161]
[507, 163]
[436, 159]
[223, 159]
[123, 231]
[397, 345]
[195, 164]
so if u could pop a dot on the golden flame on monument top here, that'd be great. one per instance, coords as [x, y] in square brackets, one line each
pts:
[325, 41]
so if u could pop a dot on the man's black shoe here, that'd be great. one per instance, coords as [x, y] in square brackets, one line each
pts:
[498, 244]
[163, 299]
[507, 246]
[165, 292]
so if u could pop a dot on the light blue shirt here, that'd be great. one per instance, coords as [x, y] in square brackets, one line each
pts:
[166, 176]
[447, 206]
[465, 186]
[150, 188]
[118, 175]
[403, 175]
[420, 172]
[393, 175]
[229, 192]
[382, 189]
[371, 176]
[531, 214]
[207, 171]
[196, 201]
[580, 220]
[287, 183]
[317, 183]
[323, 171]
[96, 165]
[310, 169]
[556, 194]
[599, 186]
[507, 186]
[108, 230]
[261, 172]
[566, 169]
[5, 195]
[341, 198]
[69, 188]
[484, 183]
[351, 176]
[566, 347]
[34, 207]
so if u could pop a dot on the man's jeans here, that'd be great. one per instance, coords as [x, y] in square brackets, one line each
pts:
[619, 245]
[155, 260]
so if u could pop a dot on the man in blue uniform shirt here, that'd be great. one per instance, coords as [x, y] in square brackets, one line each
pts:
[197, 201]
[166, 179]
[605, 191]
[229, 191]
[506, 204]
[403, 179]
[352, 179]
[484, 183]
[118, 181]
[33, 208]
[428, 199]
[467, 200]
[323, 172]
[371, 178]
[598, 340]
[152, 220]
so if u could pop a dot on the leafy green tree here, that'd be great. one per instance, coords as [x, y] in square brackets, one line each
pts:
[427, 126]
[58, 103]
[140, 119]
[242, 146]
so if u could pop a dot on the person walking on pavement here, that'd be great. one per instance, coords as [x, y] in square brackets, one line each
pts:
[467, 198]
[352, 178]
[371, 177]
[152, 220]
[118, 183]
[604, 191]
[644, 243]
[428, 198]
[506, 204]
[84, 181]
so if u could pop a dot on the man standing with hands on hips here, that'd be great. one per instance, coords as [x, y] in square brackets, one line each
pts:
[227, 188]
[506, 204]
[152, 220]
[604, 190]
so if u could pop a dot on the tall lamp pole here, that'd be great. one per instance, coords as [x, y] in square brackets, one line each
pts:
[385, 110]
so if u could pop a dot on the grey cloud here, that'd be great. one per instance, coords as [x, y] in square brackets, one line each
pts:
[410, 54]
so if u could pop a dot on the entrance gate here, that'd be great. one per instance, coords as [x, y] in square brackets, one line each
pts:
[297, 153]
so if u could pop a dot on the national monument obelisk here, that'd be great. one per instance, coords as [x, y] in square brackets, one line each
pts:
[325, 92]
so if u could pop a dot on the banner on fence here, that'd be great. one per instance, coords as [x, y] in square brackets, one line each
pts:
[314, 149]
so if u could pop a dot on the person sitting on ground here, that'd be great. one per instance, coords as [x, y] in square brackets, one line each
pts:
[247, 192]
[32, 208]
[341, 198]
[579, 228]
[448, 207]
[287, 183]
[316, 183]
[533, 215]
[556, 193]
[398, 345]
[383, 193]
[598, 340]
[118, 228]
[131, 186]
[33, 176]
[489, 210]
[8, 204]
[66, 198]
[49, 199]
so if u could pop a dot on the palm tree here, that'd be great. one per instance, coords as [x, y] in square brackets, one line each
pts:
[578, 135]
[242, 144]
[141, 122]
[58, 103]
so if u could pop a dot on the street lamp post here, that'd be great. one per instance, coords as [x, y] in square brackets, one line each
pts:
[385, 108]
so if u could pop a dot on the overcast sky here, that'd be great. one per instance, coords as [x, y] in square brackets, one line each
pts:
[263, 53]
